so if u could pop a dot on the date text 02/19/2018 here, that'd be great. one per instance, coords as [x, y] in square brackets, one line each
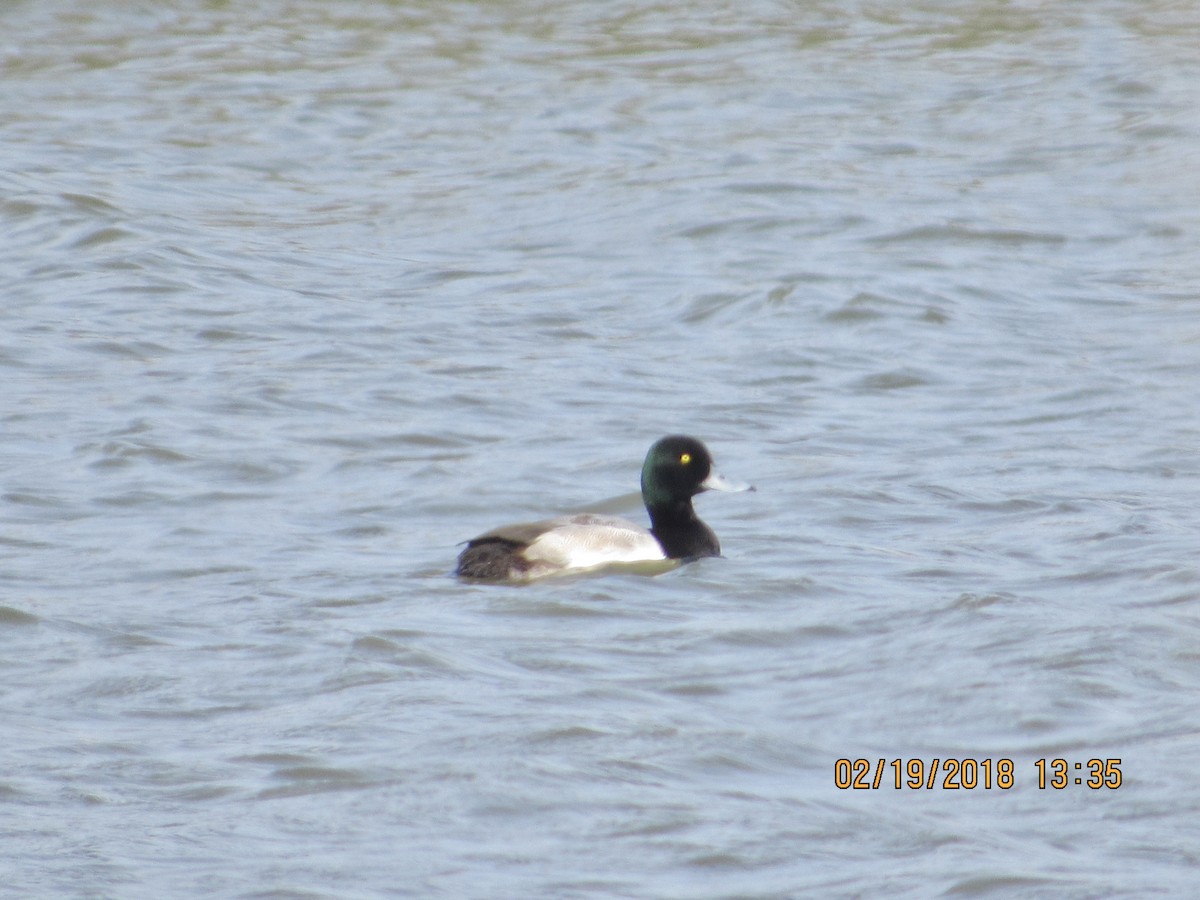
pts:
[969, 774]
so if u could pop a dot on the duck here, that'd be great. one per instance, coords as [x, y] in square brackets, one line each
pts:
[676, 469]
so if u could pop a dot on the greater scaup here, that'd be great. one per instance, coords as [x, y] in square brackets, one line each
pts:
[676, 469]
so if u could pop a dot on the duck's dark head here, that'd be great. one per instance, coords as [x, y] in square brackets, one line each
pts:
[678, 468]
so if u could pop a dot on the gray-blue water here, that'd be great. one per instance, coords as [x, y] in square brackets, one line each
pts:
[295, 296]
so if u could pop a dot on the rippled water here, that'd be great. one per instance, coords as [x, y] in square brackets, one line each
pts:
[296, 296]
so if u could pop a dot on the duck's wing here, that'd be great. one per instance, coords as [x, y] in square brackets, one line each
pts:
[521, 533]
[528, 532]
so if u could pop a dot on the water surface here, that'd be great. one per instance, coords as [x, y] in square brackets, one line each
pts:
[297, 296]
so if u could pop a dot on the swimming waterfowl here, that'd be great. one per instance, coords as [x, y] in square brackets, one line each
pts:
[677, 468]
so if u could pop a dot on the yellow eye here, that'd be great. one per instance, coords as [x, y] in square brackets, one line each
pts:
[685, 458]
